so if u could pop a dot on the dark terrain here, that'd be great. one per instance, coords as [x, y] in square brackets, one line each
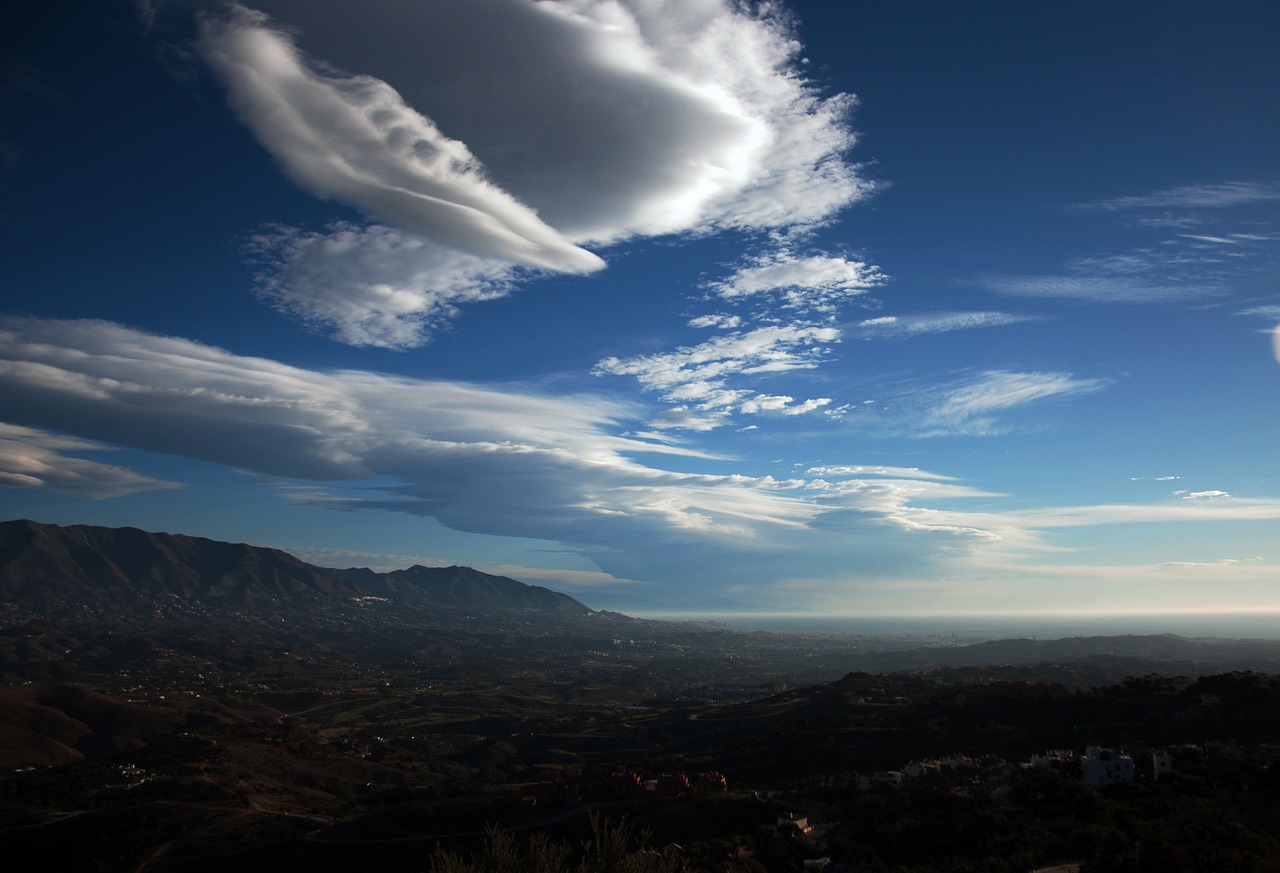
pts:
[174, 703]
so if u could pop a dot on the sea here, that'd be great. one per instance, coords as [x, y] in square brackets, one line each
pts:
[1220, 625]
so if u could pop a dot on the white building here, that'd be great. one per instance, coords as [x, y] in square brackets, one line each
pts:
[1105, 766]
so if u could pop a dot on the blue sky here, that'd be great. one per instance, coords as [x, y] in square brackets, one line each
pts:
[855, 308]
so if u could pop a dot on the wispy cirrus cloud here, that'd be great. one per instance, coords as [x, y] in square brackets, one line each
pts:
[846, 470]
[1215, 506]
[1271, 312]
[1221, 195]
[1205, 242]
[921, 324]
[1099, 289]
[974, 405]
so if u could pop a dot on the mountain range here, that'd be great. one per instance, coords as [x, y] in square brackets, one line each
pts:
[80, 570]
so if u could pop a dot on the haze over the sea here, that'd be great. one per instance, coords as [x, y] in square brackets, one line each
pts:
[1232, 625]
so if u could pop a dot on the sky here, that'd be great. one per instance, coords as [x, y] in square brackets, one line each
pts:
[672, 305]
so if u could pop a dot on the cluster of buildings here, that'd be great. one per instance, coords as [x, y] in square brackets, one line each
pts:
[1101, 766]
[1098, 766]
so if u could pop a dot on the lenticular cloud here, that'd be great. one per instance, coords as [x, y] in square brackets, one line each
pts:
[352, 138]
[521, 132]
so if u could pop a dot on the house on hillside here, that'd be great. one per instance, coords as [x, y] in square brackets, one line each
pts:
[1061, 760]
[1106, 766]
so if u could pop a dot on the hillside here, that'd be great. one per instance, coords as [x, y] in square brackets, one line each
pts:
[460, 587]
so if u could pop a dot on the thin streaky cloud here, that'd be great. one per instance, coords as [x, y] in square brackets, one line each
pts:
[1099, 289]
[903, 326]
[1218, 240]
[877, 470]
[1215, 196]
[1269, 311]
[1222, 507]
[970, 406]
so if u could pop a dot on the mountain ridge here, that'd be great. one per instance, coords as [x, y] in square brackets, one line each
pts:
[51, 570]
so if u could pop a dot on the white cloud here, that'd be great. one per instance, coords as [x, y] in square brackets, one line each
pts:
[1221, 507]
[1225, 562]
[930, 323]
[701, 374]
[610, 120]
[817, 282]
[684, 418]
[766, 403]
[373, 286]
[807, 406]
[353, 138]
[1216, 240]
[863, 470]
[1271, 312]
[1201, 495]
[34, 458]
[724, 322]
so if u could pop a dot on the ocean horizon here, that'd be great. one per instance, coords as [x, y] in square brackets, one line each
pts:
[1235, 625]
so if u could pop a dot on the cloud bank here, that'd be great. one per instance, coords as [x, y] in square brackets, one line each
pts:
[515, 462]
